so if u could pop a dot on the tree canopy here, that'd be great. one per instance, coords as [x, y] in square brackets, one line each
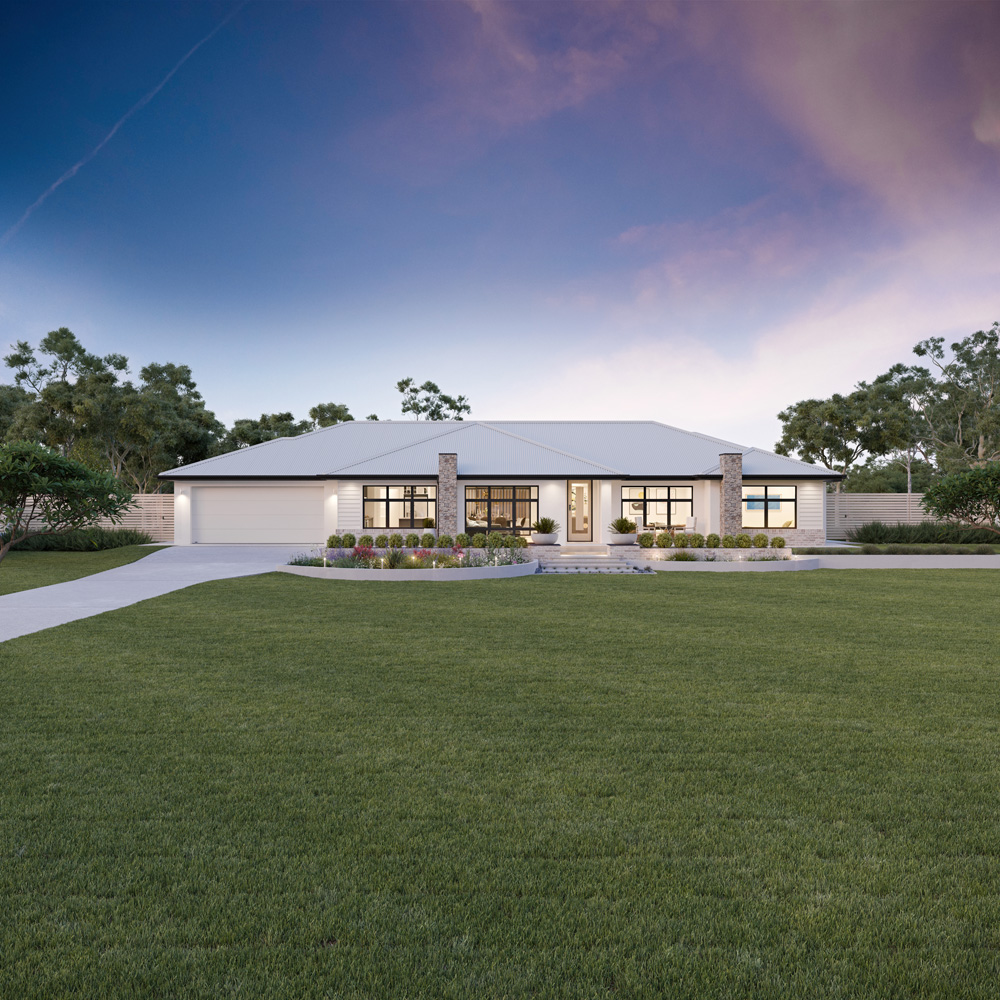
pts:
[970, 498]
[44, 493]
[429, 402]
[247, 432]
[329, 414]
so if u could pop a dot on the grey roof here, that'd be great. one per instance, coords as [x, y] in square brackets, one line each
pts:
[592, 449]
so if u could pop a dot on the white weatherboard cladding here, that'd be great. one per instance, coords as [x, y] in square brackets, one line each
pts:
[282, 513]
[350, 507]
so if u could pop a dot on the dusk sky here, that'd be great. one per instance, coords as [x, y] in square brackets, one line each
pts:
[696, 213]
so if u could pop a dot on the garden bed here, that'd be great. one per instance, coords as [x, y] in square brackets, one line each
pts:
[635, 552]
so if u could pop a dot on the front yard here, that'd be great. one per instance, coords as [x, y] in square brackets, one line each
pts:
[27, 570]
[774, 785]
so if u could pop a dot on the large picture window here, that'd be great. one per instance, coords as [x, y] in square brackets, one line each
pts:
[400, 506]
[658, 507]
[769, 507]
[509, 509]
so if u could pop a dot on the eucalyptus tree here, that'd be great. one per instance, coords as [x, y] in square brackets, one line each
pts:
[429, 402]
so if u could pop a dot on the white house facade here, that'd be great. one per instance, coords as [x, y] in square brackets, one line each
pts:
[372, 477]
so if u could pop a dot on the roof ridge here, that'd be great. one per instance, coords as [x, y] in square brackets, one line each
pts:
[548, 447]
[413, 444]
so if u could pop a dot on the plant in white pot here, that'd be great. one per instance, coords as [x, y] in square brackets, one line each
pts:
[545, 531]
[623, 531]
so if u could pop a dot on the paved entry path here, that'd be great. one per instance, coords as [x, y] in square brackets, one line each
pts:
[158, 573]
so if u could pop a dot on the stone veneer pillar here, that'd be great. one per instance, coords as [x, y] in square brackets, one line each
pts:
[447, 495]
[731, 504]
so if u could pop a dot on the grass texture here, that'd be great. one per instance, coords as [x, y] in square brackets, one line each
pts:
[27, 570]
[685, 785]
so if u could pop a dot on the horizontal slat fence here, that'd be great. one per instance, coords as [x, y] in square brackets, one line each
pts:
[850, 510]
[150, 512]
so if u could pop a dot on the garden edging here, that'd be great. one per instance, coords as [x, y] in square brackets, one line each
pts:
[406, 575]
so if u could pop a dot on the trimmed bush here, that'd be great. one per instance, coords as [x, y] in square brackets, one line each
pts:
[696, 540]
[646, 540]
[926, 532]
[395, 541]
[728, 542]
[349, 540]
[427, 540]
[84, 540]
[382, 541]
[479, 540]
[681, 541]
[412, 540]
[515, 542]
[494, 540]
[713, 541]
[743, 541]
[334, 542]
[445, 542]
[366, 542]
[759, 540]
[777, 542]
[664, 539]
[462, 540]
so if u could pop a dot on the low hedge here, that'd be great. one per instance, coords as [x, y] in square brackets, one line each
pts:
[85, 540]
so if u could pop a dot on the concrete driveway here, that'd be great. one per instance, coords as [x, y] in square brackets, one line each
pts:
[159, 573]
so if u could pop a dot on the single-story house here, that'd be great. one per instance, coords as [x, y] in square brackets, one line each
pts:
[372, 477]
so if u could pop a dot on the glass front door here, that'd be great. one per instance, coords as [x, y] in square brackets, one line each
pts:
[580, 526]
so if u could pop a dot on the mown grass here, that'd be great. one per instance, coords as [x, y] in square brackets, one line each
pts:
[27, 570]
[773, 785]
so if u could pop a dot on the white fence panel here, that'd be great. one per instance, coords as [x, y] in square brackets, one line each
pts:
[150, 512]
[850, 510]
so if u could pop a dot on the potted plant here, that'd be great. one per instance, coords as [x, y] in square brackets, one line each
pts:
[545, 531]
[623, 531]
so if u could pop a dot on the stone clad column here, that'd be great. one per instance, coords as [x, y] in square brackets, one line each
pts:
[447, 495]
[731, 512]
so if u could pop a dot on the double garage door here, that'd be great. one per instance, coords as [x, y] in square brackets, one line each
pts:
[288, 515]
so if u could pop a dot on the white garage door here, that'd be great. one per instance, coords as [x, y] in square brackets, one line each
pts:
[290, 515]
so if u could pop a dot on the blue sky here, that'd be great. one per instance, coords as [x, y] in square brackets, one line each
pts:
[695, 213]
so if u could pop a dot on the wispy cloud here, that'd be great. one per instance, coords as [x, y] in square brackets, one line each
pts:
[138, 106]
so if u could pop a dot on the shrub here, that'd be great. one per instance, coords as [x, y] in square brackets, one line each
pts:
[395, 557]
[871, 549]
[494, 540]
[515, 542]
[366, 542]
[545, 526]
[428, 522]
[696, 540]
[304, 559]
[647, 540]
[681, 541]
[445, 542]
[777, 542]
[728, 542]
[334, 542]
[623, 526]
[83, 540]
[349, 540]
[664, 539]
[881, 533]
[759, 540]
[713, 541]
[684, 557]
[462, 540]
[412, 540]
[479, 540]
[984, 550]
[427, 540]
[382, 542]
[743, 541]
[395, 541]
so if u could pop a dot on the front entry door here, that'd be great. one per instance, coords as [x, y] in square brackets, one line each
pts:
[578, 500]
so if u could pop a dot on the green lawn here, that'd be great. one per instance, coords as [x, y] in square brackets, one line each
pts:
[27, 570]
[682, 785]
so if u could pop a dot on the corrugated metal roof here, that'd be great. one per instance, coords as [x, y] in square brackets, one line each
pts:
[587, 448]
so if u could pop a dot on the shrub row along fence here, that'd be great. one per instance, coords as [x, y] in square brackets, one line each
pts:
[845, 511]
[152, 513]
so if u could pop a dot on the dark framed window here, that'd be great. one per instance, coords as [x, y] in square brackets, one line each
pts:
[508, 509]
[403, 507]
[769, 507]
[658, 506]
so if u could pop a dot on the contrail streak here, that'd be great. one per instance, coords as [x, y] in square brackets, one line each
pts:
[138, 106]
